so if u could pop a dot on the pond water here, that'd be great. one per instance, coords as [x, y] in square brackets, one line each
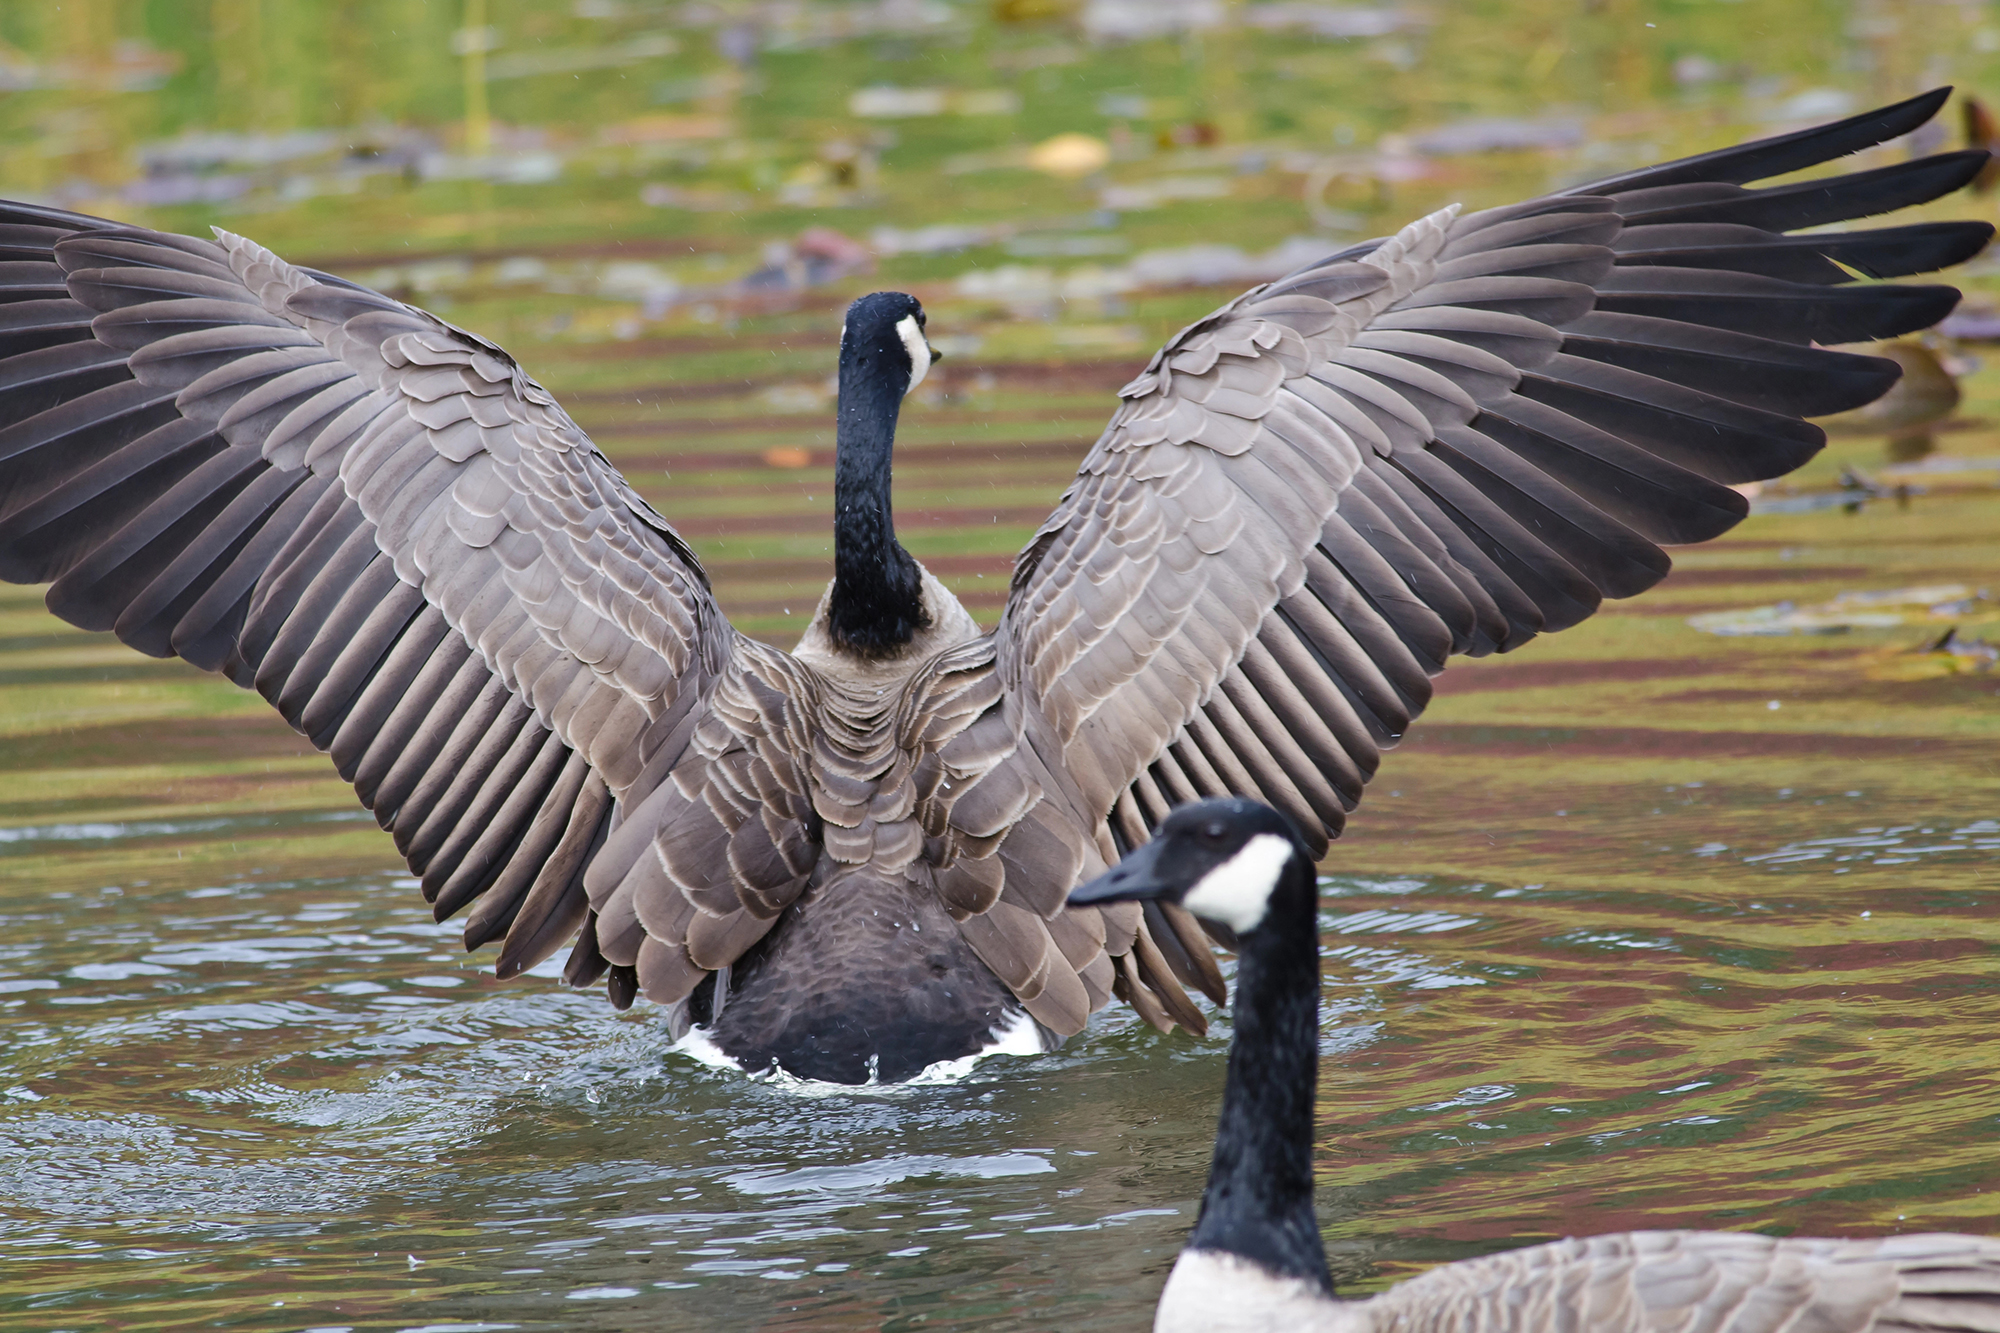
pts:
[1652, 928]
[296, 1104]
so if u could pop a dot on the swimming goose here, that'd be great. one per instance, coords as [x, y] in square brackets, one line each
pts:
[1256, 1264]
[850, 860]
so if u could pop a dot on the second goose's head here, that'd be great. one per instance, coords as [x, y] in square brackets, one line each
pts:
[876, 605]
[1226, 860]
[1255, 1259]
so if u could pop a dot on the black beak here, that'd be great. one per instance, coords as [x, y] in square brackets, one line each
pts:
[936, 355]
[1134, 878]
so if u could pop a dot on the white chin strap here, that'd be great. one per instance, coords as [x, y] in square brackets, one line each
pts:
[1237, 892]
[920, 351]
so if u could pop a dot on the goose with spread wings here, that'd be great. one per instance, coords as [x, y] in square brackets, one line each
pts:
[850, 861]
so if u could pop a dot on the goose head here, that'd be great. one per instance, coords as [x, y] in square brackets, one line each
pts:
[1226, 860]
[882, 343]
[1256, 1244]
[876, 605]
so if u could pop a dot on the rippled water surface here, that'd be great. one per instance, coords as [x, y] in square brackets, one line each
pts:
[294, 1104]
[1641, 927]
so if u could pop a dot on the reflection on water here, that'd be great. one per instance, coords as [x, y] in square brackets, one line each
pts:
[296, 1105]
[36, 839]
[301, 1093]
[246, 1083]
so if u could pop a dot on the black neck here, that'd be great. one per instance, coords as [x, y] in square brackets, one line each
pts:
[1259, 1201]
[877, 603]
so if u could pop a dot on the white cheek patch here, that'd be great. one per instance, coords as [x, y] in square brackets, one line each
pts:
[1237, 891]
[919, 350]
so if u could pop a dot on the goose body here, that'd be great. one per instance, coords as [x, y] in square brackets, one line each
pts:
[1255, 1262]
[851, 860]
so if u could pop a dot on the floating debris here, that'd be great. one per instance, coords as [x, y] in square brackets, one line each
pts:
[524, 167]
[886, 102]
[1813, 104]
[1963, 654]
[218, 167]
[636, 280]
[694, 199]
[1179, 266]
[130, 67]
[1070, 155]
[798, 399]
[1946, 464]
[944, 238]
[1067, 247]
[1335, 22]
[1857, 489]
[1971, 322]
[576, 59]
[1151, 194]
[1137, 20]
[216, 151]
[1100, 336]
[1126, 106]
[787, 25]
[820, 255]
[1694, 70]
[1035, 57]
[1488, 134]
[1854, 610]
[666, 127]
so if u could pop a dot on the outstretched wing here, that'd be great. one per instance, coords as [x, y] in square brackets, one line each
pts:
[1447, 442]
[375, 520]
[1657, 1281]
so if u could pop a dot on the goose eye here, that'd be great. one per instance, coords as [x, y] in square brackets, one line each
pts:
[1214, 832]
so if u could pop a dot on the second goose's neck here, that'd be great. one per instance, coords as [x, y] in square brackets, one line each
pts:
[1260, 1186]
[876, 605]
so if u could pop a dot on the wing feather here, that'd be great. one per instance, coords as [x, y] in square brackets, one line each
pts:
[294, 481]
[1447, 442]
[1717, 1282]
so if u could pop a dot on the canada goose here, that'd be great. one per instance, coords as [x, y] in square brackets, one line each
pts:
[851, 860]
[1255, 1263]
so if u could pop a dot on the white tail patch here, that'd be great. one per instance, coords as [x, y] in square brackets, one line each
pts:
[1015, 1034]
[920, 351]
[1237, 891]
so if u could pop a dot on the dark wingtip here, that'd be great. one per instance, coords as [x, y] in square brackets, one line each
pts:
[1868, 378]
[1962, 166]
[1900, 252]
[41, 215]
[1914, 307]
[1762, 158]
